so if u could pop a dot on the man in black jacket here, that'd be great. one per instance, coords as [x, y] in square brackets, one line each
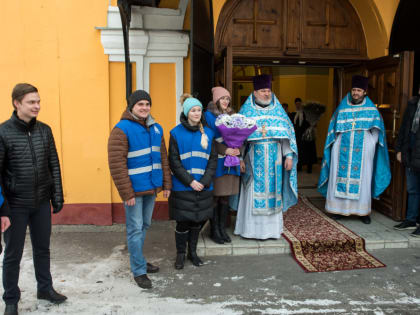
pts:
[31, 177]
[408, 152]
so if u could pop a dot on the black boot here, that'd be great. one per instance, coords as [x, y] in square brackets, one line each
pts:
[192, 246]
[11, 309]
[181, 239]
[215, 229]
[224, 210]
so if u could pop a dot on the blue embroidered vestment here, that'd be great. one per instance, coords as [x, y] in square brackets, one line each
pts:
[275, 189]
[352, 121]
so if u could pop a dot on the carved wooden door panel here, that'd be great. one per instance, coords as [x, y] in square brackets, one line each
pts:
[224, 69]
[390, 86]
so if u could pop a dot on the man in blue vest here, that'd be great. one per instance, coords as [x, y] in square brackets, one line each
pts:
[139, 166]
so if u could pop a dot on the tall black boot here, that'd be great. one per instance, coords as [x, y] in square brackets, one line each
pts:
[215, 229]
[192, 246]
[224, 210]
[181, 239]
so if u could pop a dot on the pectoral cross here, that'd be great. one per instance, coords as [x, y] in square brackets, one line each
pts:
[263, 131]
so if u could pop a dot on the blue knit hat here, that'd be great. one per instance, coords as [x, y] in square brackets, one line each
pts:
[189, 103]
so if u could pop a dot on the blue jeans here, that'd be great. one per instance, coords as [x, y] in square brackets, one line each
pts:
[413, 190]
[137, 220]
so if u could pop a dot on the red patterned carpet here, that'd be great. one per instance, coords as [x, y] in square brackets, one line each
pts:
[321, 244]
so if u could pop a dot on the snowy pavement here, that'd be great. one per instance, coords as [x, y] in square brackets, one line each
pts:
[92, 269]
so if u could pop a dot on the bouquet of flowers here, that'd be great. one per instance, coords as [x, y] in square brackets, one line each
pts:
[313, 112]
[234, 130]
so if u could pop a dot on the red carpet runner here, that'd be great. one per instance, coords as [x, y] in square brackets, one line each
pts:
[321, 244]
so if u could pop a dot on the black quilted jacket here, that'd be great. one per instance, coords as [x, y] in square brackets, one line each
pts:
[29, 165]
[409, 148]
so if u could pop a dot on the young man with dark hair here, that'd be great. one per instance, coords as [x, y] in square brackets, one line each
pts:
[31, 177]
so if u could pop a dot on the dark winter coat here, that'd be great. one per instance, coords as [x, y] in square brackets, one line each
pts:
[29, 165]
[306, 149]
[408, 143]
[193, 206]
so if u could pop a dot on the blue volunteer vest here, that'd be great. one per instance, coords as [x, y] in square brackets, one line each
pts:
[221, 168]
[143, 158]
[193, 157]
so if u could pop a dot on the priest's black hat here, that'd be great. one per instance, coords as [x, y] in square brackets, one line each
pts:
[262, 81]
[359, 81]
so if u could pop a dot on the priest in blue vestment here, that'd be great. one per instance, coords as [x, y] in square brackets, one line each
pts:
[355, 166]
[269, 183]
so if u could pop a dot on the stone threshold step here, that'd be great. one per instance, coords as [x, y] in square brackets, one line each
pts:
[241, 246]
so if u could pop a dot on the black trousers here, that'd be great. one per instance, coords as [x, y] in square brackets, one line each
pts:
[39, 221]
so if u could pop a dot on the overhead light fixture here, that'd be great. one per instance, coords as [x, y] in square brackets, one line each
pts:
[276, 61]
[302, 62]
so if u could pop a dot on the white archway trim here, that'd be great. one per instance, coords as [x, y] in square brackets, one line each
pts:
[165, 42]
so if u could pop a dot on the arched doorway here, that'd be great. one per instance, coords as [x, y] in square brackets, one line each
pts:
[321, 33]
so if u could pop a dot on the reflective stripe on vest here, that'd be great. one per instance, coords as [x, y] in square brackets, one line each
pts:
[144, 156]
[193, 157]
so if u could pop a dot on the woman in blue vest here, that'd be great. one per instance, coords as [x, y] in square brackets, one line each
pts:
[193, 162]
[226, 181]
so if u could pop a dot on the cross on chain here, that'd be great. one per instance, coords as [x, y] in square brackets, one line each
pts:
[328, 25]
[255, 22]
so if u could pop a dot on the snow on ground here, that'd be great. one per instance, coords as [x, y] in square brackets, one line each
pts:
[105, 287]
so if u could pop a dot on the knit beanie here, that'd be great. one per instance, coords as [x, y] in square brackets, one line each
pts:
[136, 96]
[218, 93]
[189, 103]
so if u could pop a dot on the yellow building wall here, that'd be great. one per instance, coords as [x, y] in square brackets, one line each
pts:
[163, 94]
[54, 45]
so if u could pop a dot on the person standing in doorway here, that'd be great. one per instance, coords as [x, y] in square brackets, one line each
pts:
[193, 162]
[31, 177]
[306, 148]
[408, 153]
[139, 166]
[355, 166]
[226, 179]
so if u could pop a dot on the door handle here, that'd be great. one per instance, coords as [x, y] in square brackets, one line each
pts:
[394, 122]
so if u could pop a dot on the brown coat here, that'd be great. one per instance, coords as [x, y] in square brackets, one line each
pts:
[117, 160]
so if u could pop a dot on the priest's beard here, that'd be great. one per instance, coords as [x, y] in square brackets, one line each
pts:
[262, 103]
[357, 101]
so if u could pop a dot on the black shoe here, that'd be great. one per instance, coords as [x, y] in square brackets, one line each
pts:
[151, 268]
[405, 225]
[336, 216]
[416, 233]
[143, 281]
[11, 309]
[179, 261]
[223, 213]
[52, 296]
[365, 219]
